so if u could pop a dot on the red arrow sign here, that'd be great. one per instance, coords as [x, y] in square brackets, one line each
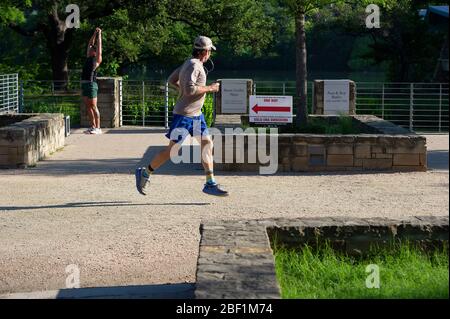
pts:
[258, 108]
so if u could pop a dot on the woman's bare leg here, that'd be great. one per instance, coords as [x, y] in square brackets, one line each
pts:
[95, 112]
[90, 111]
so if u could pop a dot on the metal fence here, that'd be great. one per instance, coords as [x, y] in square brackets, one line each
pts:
[417, 106]
[9, 93]
[41, 97]
[147, 103]
[421, 107]
[150, 103]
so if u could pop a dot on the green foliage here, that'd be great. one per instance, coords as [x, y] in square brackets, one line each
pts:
[54, 104]
[406, 271]
[11, 13]
[249, 35]
[160, 30]
[405, 43]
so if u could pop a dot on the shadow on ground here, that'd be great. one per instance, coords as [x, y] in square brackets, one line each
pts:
[137, 131]
[175, 291]
[169, 291]
[438, 160]
[121, 165]
[97, 204]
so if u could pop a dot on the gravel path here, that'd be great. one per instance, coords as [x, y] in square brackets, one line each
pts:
[80, 207]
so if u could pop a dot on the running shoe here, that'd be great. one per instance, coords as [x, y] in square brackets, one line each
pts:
[214, 189]
[142, 180]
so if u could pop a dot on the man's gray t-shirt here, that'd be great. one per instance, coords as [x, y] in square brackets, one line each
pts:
[190, 75]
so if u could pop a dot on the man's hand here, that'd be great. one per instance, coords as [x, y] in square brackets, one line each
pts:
[215, 87]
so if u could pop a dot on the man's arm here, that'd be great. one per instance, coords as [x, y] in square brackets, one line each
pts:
[99, 47]
[195, 89]
[174, 78]
[208, 89]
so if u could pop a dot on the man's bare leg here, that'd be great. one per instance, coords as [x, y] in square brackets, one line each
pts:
[211, 187]
[164, 156]
[207, 152]
[143, 173]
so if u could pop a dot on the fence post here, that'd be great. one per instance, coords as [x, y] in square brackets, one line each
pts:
[8, 103]
[411, 107]
[21, 97]
[382, 102]
[166, 105]
[254, 88]
[284, 88]
[120, 103]
[143, 103]
[440, 108]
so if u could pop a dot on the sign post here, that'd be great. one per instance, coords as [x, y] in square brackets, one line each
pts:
[233, 96]
[270, 109]
[336, 99]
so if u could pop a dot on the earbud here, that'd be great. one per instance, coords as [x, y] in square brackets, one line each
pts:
[212, 66]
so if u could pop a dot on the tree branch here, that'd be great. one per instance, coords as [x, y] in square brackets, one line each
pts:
[196, 27]
[22, 31]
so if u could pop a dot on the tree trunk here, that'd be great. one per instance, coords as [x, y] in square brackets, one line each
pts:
[60, 71]
[59, 40]
[301, 70]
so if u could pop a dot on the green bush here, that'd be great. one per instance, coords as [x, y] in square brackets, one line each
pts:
[55, 104]
[316, 125]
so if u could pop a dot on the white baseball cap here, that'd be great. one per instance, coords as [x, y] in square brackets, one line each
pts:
[204, 43]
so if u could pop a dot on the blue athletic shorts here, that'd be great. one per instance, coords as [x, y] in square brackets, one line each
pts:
[182, 126]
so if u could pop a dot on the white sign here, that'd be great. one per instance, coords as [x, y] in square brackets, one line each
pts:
[336, 97]
[270, 109]
[234, 96]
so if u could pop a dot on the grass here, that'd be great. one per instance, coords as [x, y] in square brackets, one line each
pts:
[405, 272]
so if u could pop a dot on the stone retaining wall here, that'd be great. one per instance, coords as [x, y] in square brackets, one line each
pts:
[382, 146]
[26, 142]
[236, 260]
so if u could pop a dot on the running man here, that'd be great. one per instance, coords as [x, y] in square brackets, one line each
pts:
[190, 80]
[89, 84]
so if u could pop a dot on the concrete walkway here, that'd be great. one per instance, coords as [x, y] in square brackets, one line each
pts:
[80, 207]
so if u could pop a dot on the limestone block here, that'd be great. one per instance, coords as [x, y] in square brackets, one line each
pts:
[362, 151]
[340, 149]
[340, 160]
[377, 163]
[406, 159]
[300, 164]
